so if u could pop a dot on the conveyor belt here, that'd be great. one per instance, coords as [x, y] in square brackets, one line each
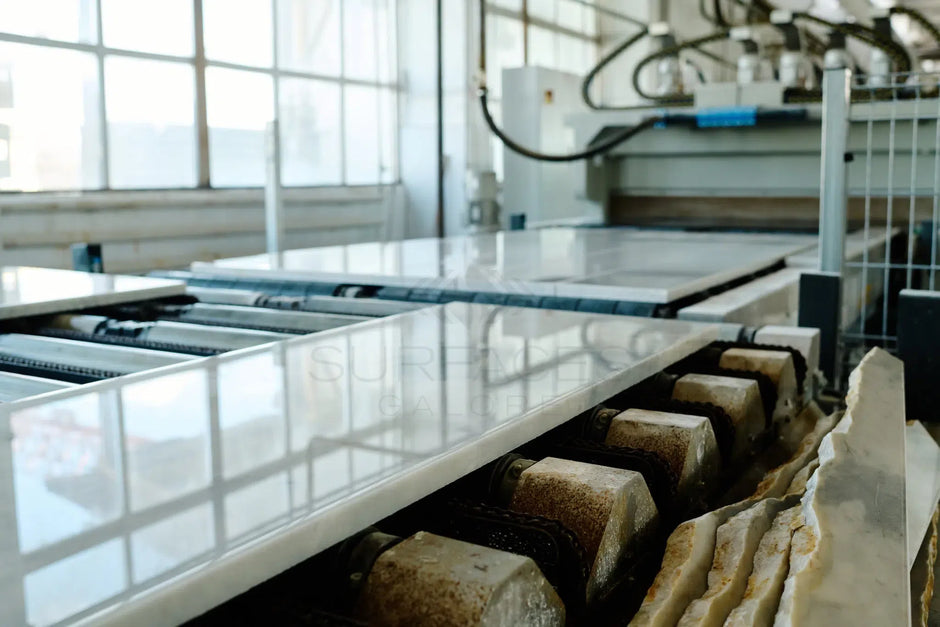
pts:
[160, 335]
[224, 338]
[97, 358]
[132, 342]
[235, 316]
[368, 307]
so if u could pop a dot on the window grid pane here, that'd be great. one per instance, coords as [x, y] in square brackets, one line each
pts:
[310, 132]
[237, 133]
[309, 36]
[361, 106]
[151, 123]
[238, 31]
[157, 26]
[63, 20]
[50, 134]
[334, 132]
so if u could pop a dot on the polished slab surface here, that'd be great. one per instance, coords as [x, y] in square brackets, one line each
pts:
[856, 245]
[151, 498]
[617, 263]
[13, 387]
[771, 299]
[35, 291]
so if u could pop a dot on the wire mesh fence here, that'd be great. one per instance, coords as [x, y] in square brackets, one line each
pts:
[893, 151]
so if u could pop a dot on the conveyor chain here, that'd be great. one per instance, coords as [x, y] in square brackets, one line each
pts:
[130, 342]
[51, 370]
[209, 322]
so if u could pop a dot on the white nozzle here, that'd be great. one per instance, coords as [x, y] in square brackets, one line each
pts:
[659, 29]
[741, 33]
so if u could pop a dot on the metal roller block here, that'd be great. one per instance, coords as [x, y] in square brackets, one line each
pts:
[687, 443]
[803, 339]
[608, 509]
[740, 398]
[778, 365]
[429, 580]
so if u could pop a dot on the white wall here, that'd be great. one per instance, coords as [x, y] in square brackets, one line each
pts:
[147, 230]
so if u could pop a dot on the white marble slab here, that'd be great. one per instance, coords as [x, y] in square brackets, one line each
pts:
[856, 243]
[151, 498]
[623, 264]
[36, 291]
[773, 299]
[14, 387]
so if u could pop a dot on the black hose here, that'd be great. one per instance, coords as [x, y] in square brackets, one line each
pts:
[592, 151]
[671, 100]
[892, 48]
[670, 51]
[921, 19]
[701, 9]
[610, 56]
[720, 20]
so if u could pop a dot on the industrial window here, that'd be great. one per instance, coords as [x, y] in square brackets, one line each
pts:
[555, 34]
[99, 94]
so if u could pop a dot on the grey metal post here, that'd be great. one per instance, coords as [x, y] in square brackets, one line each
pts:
[273, 202]
[833, 189]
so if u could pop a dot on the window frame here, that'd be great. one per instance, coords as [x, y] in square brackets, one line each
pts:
[527, 20]
[200, 63]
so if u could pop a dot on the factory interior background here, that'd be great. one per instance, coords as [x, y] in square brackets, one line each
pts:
[469, 312]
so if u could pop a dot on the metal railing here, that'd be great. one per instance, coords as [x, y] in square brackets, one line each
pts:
[881, 178]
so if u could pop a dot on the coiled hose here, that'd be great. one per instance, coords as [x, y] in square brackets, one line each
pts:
[668, 52]
[603, 63]
[595, 150]
[919, 17]
[892, 48]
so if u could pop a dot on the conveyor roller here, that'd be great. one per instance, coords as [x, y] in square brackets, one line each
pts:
[70, 356]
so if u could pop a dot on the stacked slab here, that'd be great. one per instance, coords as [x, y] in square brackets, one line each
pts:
[823, 540]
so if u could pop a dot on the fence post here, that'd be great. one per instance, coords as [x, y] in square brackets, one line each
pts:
[821, 292]
[833, 188]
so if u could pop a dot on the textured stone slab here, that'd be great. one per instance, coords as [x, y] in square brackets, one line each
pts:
[778, 365]
[922, 485]
[771, 564]
[778, 480]
[687, 443]
[848, 562]
[431, 580]
[739, 397]
[923, 575]
[736, 543]
[608, 509]
[683, 576]
[801, 478]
